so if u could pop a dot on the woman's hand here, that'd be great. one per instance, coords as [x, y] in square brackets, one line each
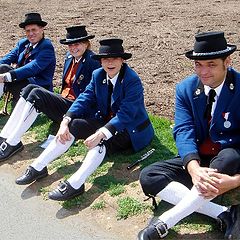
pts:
[93, 140]
[63, 133]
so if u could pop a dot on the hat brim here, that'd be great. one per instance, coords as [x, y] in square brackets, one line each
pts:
[125, 56]
[75, 40]
[40, 23]
[213, 55]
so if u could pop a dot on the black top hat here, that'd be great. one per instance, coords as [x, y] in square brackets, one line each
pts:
[32, 18]
[111, 48]
[210, 45]
[76, 34]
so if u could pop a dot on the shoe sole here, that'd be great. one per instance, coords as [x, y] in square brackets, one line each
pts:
[13, 153]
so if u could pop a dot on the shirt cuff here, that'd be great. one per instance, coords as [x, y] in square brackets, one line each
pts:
[106, 132]
[8, 77]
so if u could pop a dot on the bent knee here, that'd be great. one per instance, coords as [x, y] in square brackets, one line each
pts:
[26, 91]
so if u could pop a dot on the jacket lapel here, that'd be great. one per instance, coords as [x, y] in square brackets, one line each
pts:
[67, 65]
[118, 85]
[225, 97]
[200, 101]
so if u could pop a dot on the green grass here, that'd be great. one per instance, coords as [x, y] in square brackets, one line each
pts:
[99, 205]
[106, 181]
[129, 206]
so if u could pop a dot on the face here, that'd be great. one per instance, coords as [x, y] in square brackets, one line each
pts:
[77, 49]
[112, 66]
[34, 33]
[212, 72]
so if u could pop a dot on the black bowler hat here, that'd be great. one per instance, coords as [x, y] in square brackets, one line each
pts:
[32, 18]
[210, 45]
[111, 48]
[76, 34]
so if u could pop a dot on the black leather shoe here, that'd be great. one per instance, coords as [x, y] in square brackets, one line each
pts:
[2, 140]
[154, 231]
[31, 175]
[65, 191]
[230, 222]
[6, 150]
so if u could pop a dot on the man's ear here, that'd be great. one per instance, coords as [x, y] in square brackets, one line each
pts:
[227, 61]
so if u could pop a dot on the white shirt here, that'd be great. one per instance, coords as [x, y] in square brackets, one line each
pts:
[104, 130]
[218, 91]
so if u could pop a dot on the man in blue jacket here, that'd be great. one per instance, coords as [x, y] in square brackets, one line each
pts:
[207, 135]
[31, 61]
[120, 120]
[77, 72]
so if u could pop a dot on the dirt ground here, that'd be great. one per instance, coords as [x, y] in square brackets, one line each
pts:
[156, 32]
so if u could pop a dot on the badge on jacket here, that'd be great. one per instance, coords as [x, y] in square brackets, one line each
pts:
[81, 77]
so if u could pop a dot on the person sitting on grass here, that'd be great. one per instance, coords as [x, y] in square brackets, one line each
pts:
[207, 137]
[120, 121]
[31, 61]
[77, 72]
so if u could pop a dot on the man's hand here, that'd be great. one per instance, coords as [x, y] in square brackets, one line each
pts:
[63, 133]
[93, 140]
[201, 178]
[224, 182]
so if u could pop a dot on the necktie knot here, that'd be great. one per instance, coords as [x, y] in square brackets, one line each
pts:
[211, 96]
[210, 100]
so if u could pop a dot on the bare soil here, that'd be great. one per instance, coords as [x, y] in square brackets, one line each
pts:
[156, 32]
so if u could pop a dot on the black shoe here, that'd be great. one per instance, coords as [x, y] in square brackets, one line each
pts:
[31, 175]
[230, 222]
[2, 140]
[6, 150]
[65, 191]
[154, 231]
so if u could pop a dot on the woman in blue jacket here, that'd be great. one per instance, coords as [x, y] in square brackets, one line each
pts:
[120, 121]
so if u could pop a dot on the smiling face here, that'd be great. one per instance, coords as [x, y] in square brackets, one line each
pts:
[34, 33]
[112, 66]
[78, 49]
[212, 72]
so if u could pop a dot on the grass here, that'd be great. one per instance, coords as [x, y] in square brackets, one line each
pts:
[112, 181]
[129, 206]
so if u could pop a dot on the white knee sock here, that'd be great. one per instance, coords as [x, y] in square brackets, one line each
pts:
[186, 202]
[26, 119]
[13, 119]
[92, 160]
[1, 89]
[53, 151]
[174, 192]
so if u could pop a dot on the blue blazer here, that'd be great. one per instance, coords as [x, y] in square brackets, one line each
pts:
[40, 64]
[127, 104]
[84, 71]
[190, 125]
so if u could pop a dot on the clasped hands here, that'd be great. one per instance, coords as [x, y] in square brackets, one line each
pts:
[210, 183]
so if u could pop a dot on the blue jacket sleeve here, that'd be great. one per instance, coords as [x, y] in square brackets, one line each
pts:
[184, 129]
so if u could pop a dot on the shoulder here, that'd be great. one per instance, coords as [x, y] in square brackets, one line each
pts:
[99, 72]
[46, 42]
[191, 81]
[129, 71]
[88, 55]
[23, 41]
